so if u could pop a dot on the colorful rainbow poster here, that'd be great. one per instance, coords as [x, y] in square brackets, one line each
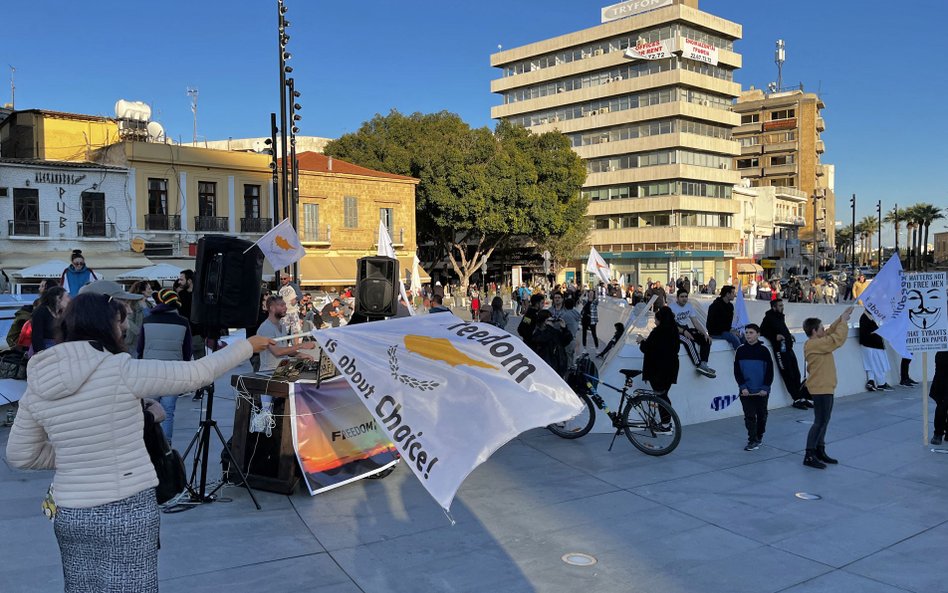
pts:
[337, 440]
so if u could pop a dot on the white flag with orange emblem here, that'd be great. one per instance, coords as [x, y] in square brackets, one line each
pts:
[281, 246]
[447, 392]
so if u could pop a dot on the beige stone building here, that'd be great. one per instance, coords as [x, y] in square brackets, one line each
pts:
[941, 249]
[655, 133]
[780, 141]
[341, 205]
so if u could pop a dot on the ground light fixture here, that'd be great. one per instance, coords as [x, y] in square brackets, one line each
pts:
[578, 559]
[808, 496]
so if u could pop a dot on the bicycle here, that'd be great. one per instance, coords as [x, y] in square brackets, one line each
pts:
[649, 422]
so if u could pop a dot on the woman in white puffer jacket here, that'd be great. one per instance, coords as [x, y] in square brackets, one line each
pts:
[81, 415]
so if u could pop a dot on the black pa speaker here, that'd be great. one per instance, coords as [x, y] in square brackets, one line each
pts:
[226, 282]
[376, 286]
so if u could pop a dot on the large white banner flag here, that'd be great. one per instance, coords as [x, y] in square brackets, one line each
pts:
[387, 249]
[447, 392]
[884, 298]
[598, 266]
[741, 318]
[281, 246]
[884, 301]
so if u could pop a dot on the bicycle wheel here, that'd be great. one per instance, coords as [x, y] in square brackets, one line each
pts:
[642, 423]
[578, 426]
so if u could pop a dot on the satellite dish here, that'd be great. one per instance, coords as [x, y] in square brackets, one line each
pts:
[156, 133]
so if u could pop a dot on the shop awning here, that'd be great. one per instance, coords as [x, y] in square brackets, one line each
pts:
[316, 270]
[749, 269]
[105, 264]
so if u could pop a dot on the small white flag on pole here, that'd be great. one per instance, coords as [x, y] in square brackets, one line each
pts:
[281, 246]
[387, 249]
[597, 266]
[741, 319]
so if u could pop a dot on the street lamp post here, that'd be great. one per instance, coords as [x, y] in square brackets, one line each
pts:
[852, 204]
[879, 215]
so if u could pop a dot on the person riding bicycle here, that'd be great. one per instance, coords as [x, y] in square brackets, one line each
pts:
[660, 365]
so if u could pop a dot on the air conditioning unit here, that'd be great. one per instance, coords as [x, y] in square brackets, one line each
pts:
[722, 166]
[597, 51]
[593, 112]
[603, 110]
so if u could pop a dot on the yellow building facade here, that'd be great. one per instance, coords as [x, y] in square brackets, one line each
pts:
[55, 136]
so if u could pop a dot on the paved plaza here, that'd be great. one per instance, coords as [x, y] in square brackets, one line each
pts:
[708, 518]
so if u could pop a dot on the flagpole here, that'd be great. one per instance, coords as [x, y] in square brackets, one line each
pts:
[924, 398]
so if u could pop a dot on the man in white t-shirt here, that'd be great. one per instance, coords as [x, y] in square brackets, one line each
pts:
[692, 334]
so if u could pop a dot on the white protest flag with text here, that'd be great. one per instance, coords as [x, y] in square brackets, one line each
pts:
[281, 246]
[884, 301]
[387, 249]
[447, 392]
[598, 266]
[884, 298]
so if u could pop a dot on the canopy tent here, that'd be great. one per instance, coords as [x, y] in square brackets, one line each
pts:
[156, 272]
[48, 269]
[341, 271]
[749, 269]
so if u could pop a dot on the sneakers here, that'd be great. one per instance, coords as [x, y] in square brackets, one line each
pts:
[809, 404]
[908, 383]
[885, 387]
[664, 429]
[871, 385]
[752, 446]
[936, 440]
[707, 371]
[800, 404]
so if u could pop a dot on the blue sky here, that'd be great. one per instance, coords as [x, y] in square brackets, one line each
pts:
[879, 65]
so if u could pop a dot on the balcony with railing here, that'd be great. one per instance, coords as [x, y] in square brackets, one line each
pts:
[255, 225]
[162, 222]
[95, 230]
[789, 220]
[28, 228]
[211, 224]
[318, 234]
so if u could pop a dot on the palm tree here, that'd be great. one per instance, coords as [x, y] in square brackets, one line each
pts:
[895, 217]
[928, 214]
[844, 239]
[913, 216]
[866, 227]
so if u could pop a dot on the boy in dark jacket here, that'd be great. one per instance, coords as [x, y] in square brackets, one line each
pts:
[721, 317]
[754, 373]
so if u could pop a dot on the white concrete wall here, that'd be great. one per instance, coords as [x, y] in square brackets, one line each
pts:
[699, 399]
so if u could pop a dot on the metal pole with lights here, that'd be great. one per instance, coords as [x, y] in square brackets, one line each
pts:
[852, 204]
[292, 94]
[284, 69]
[879, 215]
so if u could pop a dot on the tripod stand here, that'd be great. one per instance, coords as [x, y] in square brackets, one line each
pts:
[197, 490]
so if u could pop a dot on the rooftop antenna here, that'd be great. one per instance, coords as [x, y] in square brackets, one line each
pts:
[780, 56]
[12, 88]
[193, 93]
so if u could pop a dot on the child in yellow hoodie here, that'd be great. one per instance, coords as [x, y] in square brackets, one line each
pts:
[821, 381]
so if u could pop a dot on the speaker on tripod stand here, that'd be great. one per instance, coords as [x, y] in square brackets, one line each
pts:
[226, 294]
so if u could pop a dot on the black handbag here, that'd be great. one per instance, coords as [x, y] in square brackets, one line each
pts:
[169, 466]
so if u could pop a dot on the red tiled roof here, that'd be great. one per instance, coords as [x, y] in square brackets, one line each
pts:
[314, 161]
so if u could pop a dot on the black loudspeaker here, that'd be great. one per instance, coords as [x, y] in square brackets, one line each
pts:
[226, 282]
[376, 286]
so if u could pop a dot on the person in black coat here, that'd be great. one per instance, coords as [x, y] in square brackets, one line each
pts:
[43, 321]
[774, 328]
[721, 318]
[939, 393]
[550, 339]
[660, 365]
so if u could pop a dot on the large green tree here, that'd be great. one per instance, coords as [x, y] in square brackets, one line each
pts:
[477, 188]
